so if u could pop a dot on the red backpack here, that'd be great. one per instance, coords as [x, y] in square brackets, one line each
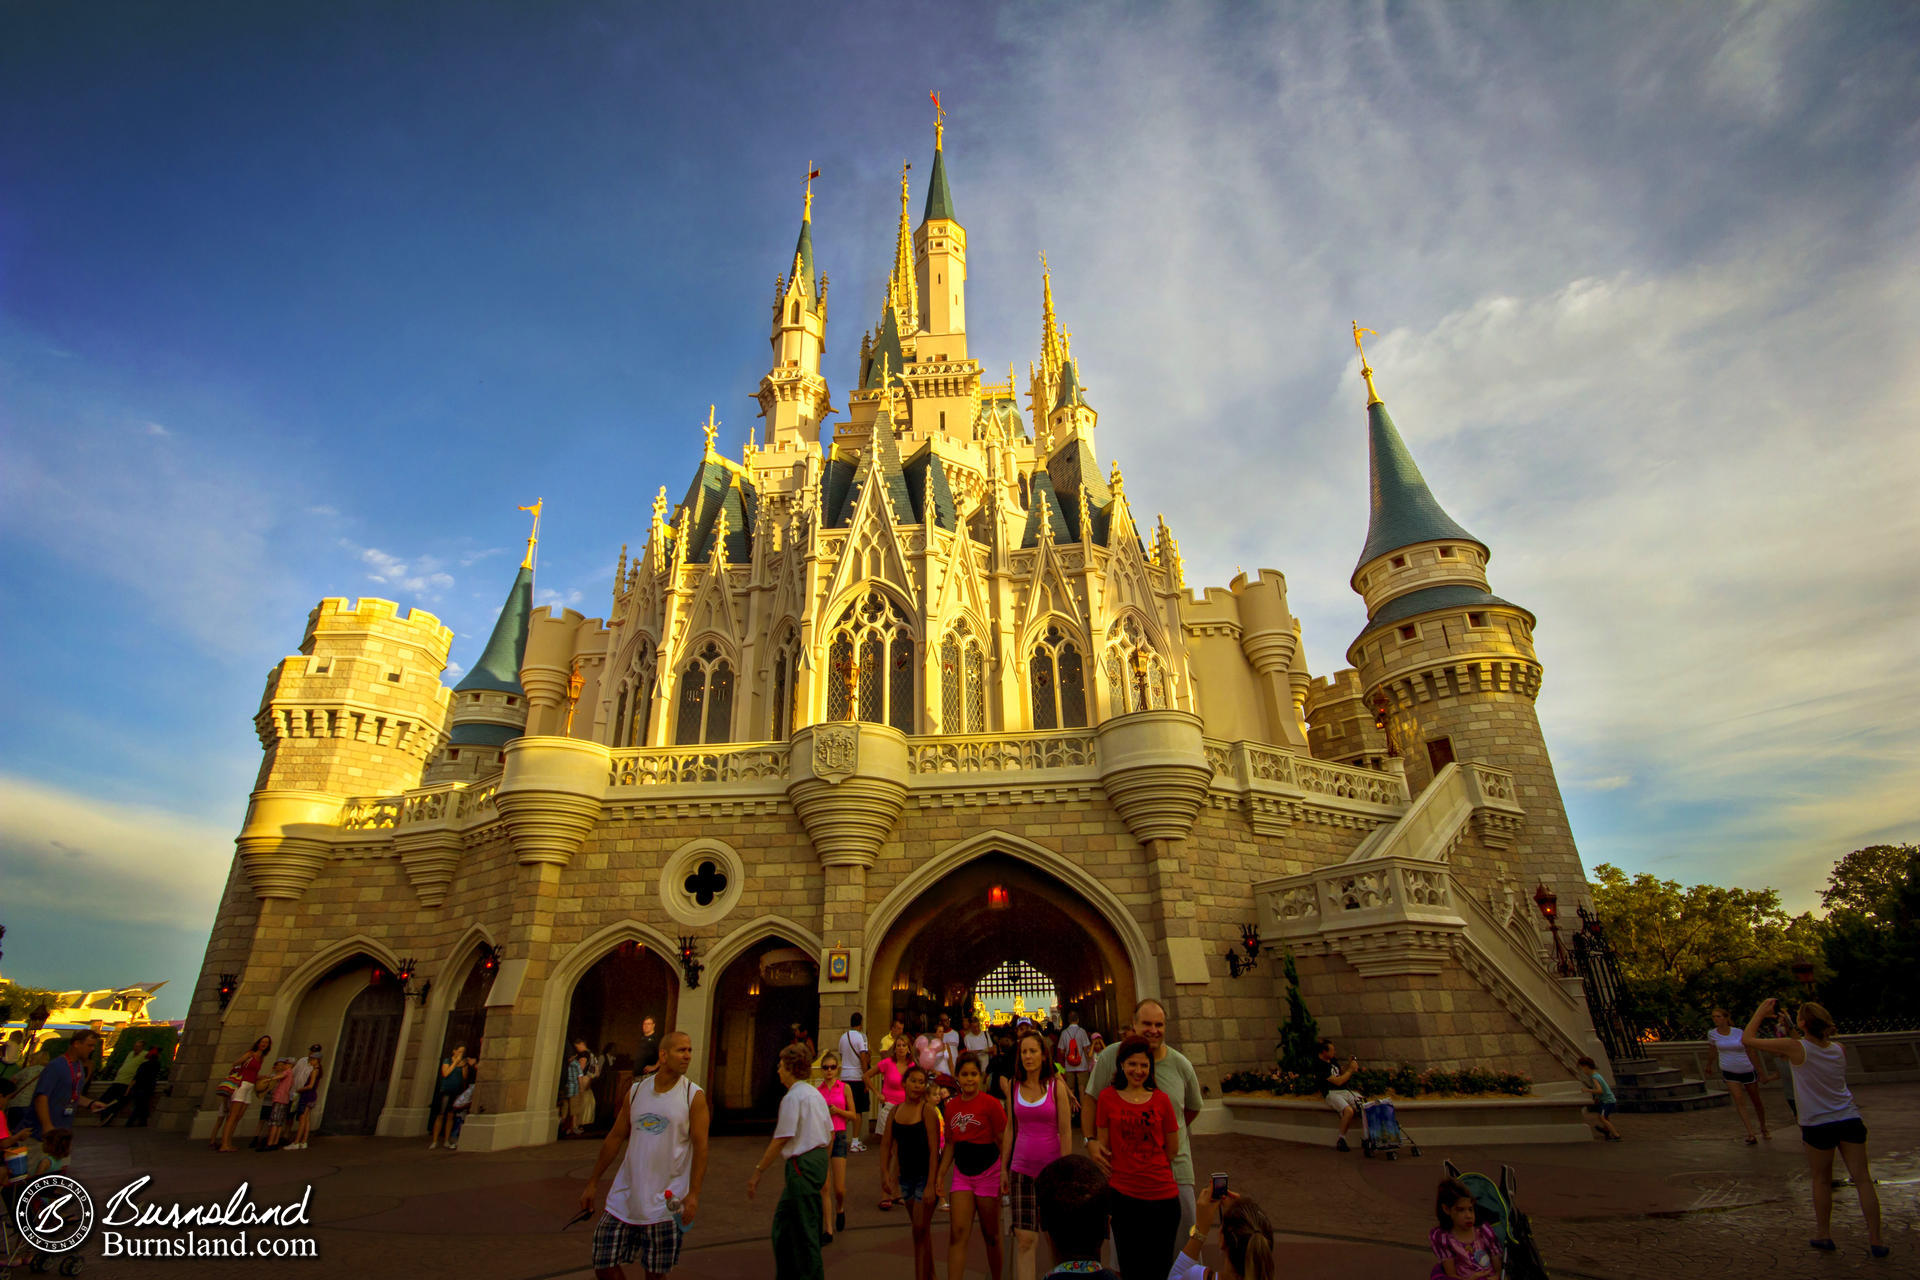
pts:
[1073, 1051]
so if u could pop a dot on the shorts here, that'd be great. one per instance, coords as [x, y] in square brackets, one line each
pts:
[886, 1114]
[985, 1184]
[857, 1091]
[1026, 1203]
[442, 1104]
[303, 1101]
[655, 1244]
[1341, 1099]
[1825, 1137]
[1736, 1077]
[281, 1110]
[1603, 1109]
[839, 1148]
[244, 1094]
[914, 1189]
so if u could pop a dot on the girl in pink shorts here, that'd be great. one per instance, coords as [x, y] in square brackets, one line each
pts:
[977, 1139]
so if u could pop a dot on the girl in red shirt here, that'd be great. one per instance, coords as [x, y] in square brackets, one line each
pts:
[977, 1142]
[1138, 1127]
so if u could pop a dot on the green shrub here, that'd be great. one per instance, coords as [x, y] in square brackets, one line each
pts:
[1401, 1081]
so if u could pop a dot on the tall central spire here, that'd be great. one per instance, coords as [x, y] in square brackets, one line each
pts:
[939, 198]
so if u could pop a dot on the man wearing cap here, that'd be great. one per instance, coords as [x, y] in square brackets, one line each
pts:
[307, 1074]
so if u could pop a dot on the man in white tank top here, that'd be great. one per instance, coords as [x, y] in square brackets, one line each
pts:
[663, 1123]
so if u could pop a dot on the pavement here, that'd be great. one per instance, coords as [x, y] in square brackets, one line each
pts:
[1682, 1193]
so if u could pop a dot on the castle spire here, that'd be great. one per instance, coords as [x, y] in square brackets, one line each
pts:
[498, 667]
[939, 198]
[1051, 352]
[1403, 509]
[902, 291]
[803, 272]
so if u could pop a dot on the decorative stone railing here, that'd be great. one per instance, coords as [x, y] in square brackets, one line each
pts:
[1393, 908]
[368, 813]
[1000, 753]
[671, 766]
[1275, 787]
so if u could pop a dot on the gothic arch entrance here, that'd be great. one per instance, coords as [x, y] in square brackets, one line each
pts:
[608, 1009]
[758, 998]
[355, 1011]
[991, 910]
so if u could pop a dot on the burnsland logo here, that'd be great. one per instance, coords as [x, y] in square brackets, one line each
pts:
[54, 1213]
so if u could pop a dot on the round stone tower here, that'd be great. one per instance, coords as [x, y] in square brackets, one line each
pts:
[1447, 667]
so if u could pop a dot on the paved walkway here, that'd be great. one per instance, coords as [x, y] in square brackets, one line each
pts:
[1684, 1194]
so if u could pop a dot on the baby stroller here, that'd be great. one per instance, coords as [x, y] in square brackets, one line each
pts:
[1383, 1132]
[1494, 1206]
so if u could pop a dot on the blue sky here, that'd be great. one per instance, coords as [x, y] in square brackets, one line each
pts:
[301, 300]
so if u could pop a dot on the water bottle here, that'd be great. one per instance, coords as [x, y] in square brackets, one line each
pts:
[673, 1210]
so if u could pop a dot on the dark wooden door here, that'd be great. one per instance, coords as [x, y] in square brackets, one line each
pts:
[368, 1037]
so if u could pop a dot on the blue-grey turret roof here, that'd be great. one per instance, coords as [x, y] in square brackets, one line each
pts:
[498, 668]
[1405, 511]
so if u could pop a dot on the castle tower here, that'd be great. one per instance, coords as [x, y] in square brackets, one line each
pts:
[793, 396]
[489, 706]
[940, 259]
[1449, 666]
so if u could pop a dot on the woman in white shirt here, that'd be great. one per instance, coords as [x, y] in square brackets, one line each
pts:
[1246, 1240]
[1740, 1073]
[1829, 1120]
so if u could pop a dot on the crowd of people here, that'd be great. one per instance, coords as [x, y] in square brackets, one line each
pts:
[979, 1124]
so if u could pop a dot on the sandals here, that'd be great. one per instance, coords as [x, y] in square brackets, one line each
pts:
[1824, 1244]
[1878, 1250]
[886, 1206]
[1752, 1141]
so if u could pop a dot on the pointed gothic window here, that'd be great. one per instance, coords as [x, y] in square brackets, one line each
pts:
[620, 716]
[640, 680]
[963, 679]
[1056, 683]
[786, 673]
[706, 699]
[870, 664]
[1136, 675]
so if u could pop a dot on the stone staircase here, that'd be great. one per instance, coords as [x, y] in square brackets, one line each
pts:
[1642, 1085]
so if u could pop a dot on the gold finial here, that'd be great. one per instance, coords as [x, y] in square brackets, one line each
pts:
[806, 214]
[526, 561]
[903, 288]
[660, 506]
[712, 429]
[748, 455]
[939, 122]
[1115, 483]
[1366, 370]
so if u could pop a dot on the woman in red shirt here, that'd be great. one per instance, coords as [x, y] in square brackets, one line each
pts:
[1138, 1127]
[977, 1142]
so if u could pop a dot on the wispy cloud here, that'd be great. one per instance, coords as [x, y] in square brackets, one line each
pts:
[155, 429]
[136, 864]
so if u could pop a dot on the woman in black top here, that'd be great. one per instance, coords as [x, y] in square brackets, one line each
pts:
[913, 1135]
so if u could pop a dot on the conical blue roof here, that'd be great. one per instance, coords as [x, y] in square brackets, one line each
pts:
[499, 665]
[1405, 511]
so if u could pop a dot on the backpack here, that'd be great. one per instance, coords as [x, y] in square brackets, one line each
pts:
[1073, 1051]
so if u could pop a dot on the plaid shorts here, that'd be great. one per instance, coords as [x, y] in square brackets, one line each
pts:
[1026, 1203]
[655, 1244]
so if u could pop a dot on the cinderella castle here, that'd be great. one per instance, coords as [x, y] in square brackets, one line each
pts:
[903, 707]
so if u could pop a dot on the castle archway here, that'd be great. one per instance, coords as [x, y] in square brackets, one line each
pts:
[355, 1010]
[995, 907]
[609, 1009]
[759, 995]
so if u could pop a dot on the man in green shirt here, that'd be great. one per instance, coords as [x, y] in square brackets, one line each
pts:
[1174, 1076]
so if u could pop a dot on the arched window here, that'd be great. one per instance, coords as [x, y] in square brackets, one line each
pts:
[706, 698]
[1136, 675]
[870, 664]
[785, 676]
[1057, 683]
[620, 716]
[633, 733]
[963, 681]
[794, 317]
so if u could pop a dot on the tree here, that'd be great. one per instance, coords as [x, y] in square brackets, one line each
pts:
[1871, 943]
[1869, 880]
[1685, 949]
[1299, 1034]
[23, 999]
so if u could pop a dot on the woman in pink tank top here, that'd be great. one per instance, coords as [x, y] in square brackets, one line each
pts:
[1039, 1116]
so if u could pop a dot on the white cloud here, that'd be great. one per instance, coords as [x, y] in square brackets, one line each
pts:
[421, 576]
[571, 598]
[61, 851]
[155, 429]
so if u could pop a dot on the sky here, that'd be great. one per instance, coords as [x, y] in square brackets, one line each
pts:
[303, 300]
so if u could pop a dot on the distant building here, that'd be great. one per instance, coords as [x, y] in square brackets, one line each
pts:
[902, 693]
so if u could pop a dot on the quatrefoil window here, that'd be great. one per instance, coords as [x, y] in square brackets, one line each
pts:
[706, 884]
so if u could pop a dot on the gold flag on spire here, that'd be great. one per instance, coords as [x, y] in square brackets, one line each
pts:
[939, 122]
[806, 214]
[1366, 370]
[533, 537]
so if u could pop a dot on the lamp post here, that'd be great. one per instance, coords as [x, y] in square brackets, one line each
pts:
[575, 683]
[1250, 943]
[1549, 903]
